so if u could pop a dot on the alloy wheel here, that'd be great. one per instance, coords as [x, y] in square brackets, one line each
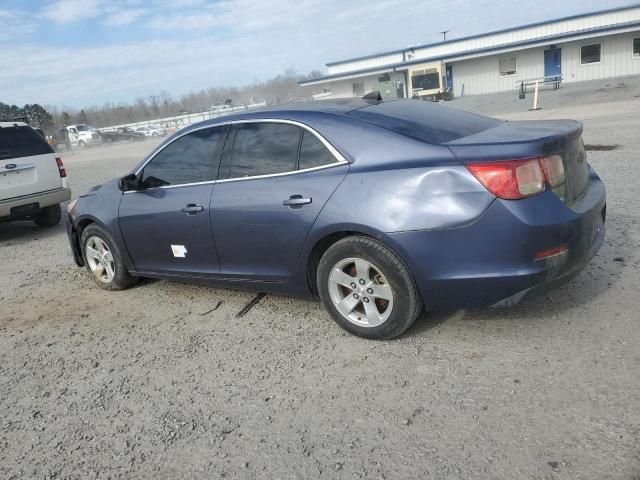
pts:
[360, 292]
[100, 259]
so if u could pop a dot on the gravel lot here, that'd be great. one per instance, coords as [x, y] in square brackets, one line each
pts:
[155, 382]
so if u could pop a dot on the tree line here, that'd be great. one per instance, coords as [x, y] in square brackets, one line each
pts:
[280, 89]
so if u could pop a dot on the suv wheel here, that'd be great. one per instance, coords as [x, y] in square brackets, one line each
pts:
[367, 288]
[81, 144]
[48, 216]
[104, 261]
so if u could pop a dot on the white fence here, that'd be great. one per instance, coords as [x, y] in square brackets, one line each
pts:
[180, 121]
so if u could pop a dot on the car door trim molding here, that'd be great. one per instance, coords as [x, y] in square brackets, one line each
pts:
[340, 160]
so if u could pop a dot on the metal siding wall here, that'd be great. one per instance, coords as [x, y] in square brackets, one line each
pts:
[616, 59]
[344, 88]
[481, 75]
[363, 64]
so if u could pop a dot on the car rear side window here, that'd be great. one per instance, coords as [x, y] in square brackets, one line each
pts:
[21, 141]
[313, 152]
[264, 149]
[426, 121]
[191, 158]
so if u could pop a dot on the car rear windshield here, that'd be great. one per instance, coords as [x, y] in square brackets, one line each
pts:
[21, 141]
[426, 121]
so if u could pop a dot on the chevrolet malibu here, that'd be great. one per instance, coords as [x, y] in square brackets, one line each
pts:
[379, 208]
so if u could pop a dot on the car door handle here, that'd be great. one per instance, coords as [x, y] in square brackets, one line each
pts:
[192, 209]
[296, 201]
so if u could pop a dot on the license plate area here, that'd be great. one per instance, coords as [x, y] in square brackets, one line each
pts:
[21, 175]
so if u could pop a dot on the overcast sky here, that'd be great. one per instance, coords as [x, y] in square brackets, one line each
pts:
[83, 52]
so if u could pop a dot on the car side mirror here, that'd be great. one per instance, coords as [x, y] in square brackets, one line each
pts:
[129, 182]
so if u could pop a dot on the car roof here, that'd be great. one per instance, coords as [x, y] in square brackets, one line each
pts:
[13, 124]
[338, 105]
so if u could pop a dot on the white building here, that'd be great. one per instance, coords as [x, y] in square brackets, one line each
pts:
[582, 47]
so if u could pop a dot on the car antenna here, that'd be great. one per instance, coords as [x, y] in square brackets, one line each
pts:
[375, 95]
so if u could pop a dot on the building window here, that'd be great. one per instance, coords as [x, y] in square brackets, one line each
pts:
[590, 54]
[507, 66]
[358, 89]
[636, 47]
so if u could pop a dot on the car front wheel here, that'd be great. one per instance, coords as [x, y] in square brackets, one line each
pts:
[367, 288]
[104, 261]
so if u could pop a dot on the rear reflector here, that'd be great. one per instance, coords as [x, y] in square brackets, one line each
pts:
[63, 172]
[514, 179]
[551, 252]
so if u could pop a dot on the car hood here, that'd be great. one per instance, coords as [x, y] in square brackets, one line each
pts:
[110, 186]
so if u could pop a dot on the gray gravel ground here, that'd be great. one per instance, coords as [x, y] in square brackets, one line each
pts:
[145, 384]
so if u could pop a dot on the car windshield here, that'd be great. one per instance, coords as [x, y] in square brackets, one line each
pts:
[82, 128]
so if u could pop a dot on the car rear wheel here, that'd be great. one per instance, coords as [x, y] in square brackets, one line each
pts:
[104, 261]
[48, 216]
[367, 288]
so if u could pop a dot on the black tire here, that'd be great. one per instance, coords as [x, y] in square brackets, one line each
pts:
[48, 216]
[121, 279]
[82, 145]
[406, 304]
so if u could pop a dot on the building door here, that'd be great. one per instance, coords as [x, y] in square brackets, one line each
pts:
[552, 64]
[450, 78]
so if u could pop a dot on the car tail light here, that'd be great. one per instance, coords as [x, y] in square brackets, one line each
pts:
[514, 179]
[510, 179]
[553, 169]
[61, 170]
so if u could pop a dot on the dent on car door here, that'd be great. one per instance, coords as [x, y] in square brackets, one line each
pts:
[274, 180]
[166, 223]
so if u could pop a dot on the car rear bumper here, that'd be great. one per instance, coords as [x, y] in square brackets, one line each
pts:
[491, 261]
[42, 199]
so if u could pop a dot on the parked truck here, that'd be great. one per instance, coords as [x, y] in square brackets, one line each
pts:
[79, 135]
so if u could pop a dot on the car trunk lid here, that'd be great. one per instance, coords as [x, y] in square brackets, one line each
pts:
[530, 139]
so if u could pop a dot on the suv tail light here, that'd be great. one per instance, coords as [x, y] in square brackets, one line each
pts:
[61, 170]
[514, 179]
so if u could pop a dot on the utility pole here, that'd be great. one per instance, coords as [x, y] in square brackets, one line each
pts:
[444, 35]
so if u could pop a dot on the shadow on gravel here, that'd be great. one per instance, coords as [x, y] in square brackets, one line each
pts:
[15, 232]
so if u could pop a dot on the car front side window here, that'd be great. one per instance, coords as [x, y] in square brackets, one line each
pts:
[192, 158]
[263, 148]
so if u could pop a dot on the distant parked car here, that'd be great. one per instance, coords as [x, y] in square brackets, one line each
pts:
[33, 181]
[379, 208]
[122, 133]
[151, 131]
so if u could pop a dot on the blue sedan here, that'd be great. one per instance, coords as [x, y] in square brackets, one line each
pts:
[379, 208]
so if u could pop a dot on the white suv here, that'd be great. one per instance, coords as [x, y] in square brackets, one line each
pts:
[33, 181]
